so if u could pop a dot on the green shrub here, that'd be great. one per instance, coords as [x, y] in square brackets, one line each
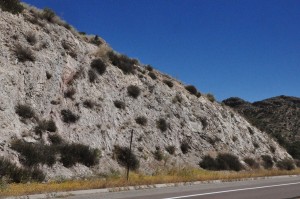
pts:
[92, 76]
[24, 53]
[185, 147]
[192, 89]
[119, 104]
[162, 124]
[99, 66]
[251, 163]
[68, 116]
[122, 62]
[208, 163]
[133, 91]
[210, 97]
[228, 161]
[79, 153]
[152, 75]
[24, 111]
[158, 155]
[55, 139]
[267, 161]
[224, 161]
[18, 175]
[149, 68]
[31, 38]
[12, 6]
[170, 149]
[286, 164]
[33, 154]
[48, 14]
[126, 157]
[141, 120]
[168, 83]
[45, 126]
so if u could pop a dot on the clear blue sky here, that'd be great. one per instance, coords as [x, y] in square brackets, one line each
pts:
[244, 48]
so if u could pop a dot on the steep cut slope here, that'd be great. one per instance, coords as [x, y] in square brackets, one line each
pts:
[49, 73]
[278, 116]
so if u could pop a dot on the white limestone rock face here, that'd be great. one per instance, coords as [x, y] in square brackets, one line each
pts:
[207, 127]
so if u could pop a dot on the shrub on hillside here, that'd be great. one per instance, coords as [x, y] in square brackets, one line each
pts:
[210, 97]
[267, 161]
[185, 147]
[24, 53]
[48, 14]
[126, 157]
[31, 38]
[69, 93]
[149, 68]
[55, 139]
[158, 155]
[294, 149]
[162, 124]
[99, 66]
[141, 120]
[251, 163]
[92, 76]
[45, 126]
[133, 91]
[152, 75]
[224, 161]
[119, 104]
[33, 154]
[68, 116]
[16, 174]
[170, 149]
[79, 153]
[123, 62]
[168, 83]
[286, 164]
[192, 89]
[24, 111]
[88, 104]
[12, 6]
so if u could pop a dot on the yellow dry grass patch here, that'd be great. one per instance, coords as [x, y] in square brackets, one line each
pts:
[168, 176]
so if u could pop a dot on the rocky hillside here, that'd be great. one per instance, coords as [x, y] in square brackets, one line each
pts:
[278, 116]
[62, 88]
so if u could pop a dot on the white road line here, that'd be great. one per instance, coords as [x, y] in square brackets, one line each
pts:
[233, 190]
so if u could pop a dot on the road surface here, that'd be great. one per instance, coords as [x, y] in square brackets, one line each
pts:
[273, 188]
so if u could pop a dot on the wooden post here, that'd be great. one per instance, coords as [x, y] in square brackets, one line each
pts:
[128, 161]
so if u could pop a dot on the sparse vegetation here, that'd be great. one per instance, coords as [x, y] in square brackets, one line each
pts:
[149, 68]
[171, 149]
[88, 104]
[210, 97]
[31, 38]
[168, 83]
[68, 116]
[162, 124]
[92, 75]
[24, 53]
[24, 111]
[158, 155]
[69, 93]
[177, 98]
[55, 139]
[122, 62]
[185, 147]
[45, 126]
[126, 157]
[12, 6]
[152, 75]
[286, 164]
[267, 161]
[224, 161]
[99, 66]
[119, 104]
[251, 163]
[250, 130]
[141, 120]
[48, 14]
[133, 91]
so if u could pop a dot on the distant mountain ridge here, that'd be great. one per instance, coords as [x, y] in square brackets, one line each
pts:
[279, 116]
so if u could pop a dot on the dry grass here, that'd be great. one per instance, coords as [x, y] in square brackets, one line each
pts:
[168, 176]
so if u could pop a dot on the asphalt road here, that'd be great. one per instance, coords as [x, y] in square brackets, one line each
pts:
[274, 188]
